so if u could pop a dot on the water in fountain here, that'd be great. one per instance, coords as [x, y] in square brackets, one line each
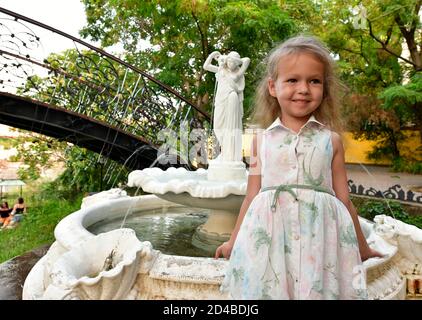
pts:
[169, 230]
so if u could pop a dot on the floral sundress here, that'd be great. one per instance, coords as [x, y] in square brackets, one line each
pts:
[304, 247]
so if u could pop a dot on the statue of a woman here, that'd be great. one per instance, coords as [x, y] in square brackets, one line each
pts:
[228, 109]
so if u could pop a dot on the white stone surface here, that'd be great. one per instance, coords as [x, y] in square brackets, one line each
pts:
[227, 171]
[111, 194]
[80, 273]
[179, 180]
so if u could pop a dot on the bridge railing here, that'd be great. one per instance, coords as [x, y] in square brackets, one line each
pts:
[48, 65]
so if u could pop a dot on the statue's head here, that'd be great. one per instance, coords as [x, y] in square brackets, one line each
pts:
[233, 60]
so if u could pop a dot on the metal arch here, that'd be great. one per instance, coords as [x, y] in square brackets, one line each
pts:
[91, 82]
[104, 53]
[66, 125]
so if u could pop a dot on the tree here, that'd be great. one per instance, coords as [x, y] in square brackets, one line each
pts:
[38, 153]
[370, 40]
[84, 170]
[172, 39]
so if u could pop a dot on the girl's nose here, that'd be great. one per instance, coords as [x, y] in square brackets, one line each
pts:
[303, 88]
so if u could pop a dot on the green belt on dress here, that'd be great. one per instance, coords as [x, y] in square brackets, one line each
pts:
[289, 188]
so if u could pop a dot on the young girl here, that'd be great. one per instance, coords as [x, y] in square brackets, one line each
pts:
[297, 235]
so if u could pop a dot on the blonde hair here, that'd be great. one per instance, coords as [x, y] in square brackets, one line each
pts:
[266, 106]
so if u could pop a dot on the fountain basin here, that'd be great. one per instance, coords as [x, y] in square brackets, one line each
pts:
[195, 188]
[181, 277]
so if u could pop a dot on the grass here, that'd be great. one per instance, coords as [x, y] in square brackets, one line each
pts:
[37, 227]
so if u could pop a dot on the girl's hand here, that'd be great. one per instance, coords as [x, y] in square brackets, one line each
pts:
[371, 253]
[225, 249]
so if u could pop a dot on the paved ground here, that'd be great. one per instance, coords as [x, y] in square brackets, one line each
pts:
[381, 178]
[13, 273]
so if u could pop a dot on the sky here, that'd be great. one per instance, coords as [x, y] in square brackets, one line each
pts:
[65, 15]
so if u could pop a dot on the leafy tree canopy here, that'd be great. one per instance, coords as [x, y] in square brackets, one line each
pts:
[172, 39]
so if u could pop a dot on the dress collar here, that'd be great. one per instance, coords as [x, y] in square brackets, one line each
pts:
[277, 123]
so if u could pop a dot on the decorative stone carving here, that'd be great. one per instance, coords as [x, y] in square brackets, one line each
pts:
[101, 268]
[179, 180]
[408, 241]
[228, 102]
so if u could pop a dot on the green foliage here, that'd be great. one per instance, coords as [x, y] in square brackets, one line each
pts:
[371, 208]
[407, 95]
[405, 100]
[7, 143]
[405, 165]
[37, 152]
[86, 171]
[172, 39]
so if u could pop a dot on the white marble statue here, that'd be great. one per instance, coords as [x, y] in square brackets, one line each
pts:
[228, 108]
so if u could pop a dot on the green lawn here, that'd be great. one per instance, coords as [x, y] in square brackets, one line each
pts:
[37, 228]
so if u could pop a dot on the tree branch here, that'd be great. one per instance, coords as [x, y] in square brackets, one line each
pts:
[409, 36]
[384, 46]
[204, 42]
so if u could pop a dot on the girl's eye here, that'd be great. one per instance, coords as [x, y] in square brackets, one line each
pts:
[291, 80]
[316, 81]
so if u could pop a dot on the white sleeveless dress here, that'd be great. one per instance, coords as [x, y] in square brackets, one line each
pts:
[305, 248]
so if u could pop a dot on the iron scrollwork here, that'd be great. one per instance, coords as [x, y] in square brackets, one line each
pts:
[395, 192]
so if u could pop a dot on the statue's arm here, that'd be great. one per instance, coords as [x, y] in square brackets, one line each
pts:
[245, 65]
[208, 66]
[241, 72]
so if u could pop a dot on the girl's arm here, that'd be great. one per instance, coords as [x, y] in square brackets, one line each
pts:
[341, 189]
[254, 185]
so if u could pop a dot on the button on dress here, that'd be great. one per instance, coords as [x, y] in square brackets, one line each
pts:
[307, 247]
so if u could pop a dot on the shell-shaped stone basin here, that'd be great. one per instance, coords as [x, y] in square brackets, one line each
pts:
[81, 269]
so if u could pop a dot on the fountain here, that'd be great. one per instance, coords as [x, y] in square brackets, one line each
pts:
[222, 187]
[117, 265]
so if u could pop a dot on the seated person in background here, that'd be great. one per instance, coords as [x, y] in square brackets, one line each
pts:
[5, 211]
[19, 209]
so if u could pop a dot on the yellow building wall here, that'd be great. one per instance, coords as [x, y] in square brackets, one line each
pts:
[356, 151]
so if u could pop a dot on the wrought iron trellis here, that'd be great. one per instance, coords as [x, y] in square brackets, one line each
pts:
[88, 80]
[394, 193]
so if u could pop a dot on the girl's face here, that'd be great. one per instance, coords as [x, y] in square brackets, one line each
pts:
[299, 85]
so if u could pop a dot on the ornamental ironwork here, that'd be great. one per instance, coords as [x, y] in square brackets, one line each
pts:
[395, 192]
[87, 80]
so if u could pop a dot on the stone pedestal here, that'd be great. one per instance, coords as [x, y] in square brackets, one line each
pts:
[226, 170]
[215, 231]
